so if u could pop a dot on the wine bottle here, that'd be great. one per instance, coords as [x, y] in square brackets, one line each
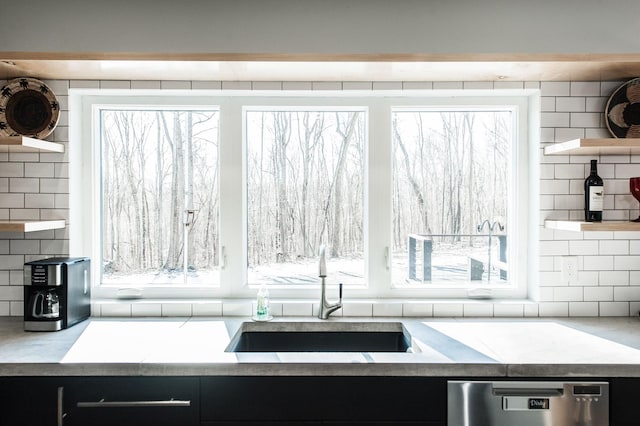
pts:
[593, 195]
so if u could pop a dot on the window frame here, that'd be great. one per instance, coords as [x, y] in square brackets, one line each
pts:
[85, 179]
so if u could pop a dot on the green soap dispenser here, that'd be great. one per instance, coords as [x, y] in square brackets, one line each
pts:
[262, 310]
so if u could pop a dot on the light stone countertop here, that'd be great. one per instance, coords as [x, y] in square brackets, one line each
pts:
[469, 347]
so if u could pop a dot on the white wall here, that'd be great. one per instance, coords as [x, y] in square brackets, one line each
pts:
[37, 185]
[321, 26]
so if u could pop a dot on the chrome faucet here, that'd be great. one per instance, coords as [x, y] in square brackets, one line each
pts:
[325, 308]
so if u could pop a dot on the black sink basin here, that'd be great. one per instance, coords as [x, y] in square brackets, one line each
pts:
[320, 340]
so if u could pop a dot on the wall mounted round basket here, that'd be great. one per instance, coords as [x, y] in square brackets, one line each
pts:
[28, 107]
[623, 110]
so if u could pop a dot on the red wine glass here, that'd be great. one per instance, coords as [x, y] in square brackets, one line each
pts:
[634, 187]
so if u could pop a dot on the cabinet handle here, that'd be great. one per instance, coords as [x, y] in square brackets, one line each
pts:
[60, 407]
[124, 404]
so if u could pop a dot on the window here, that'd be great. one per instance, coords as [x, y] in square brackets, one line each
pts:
[159, 196]
[452, 178]
[305, 183]
[414, 195]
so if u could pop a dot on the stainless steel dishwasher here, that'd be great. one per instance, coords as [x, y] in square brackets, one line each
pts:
[520, 403]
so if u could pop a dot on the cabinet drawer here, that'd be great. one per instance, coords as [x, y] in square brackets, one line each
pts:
[132, 401]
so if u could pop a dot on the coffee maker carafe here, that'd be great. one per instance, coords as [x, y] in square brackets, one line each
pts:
[57, 293]
[45, 304]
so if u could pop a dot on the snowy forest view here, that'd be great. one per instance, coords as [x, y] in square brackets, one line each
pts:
[305, 186]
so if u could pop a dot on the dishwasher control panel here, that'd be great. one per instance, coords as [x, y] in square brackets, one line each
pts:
[527, 403]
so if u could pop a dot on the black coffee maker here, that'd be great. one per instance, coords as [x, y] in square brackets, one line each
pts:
[57, 293]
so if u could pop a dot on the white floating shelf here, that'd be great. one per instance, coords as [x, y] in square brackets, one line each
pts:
[30, 226]
[27, 144]
[603, 146]
[567, 225]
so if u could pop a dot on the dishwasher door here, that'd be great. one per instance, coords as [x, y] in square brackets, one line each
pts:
[520, 403]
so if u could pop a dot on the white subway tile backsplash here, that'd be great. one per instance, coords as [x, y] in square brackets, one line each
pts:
[598, 263]
[555, 88]
[594, 294]
[477, 310]
[145, 85]
[447, 85]
[55, 186]
[448, 309]
[613, 278]
[12, 261]
[176, 309]
[626, 171]
[16, 308]
[84, 84]
[583, 309]
[583, 247]
[567, 134]
[326, 85]
[234, 309]
[24, 214]
[588, 278]
[614, 309]
[146, 309]
[175, 85]
[628, 294]
[387, 85]
[236, 85]
[12, 170]
[417, 309]
[297, 85]
[209, 309]
[568, 294]
[206, 85]
[297, 309]
[119, 309]
[266, 85]
[585, 88]
[25, 246]
[572, 104]
[569, 171]
[553, 309]
[554, 248]
[627, 262]
[387, 309]
[24, 185]
[613, 247]
[548, 104]
[555, 187]
[514, 310]
[35, 185]
[39, 201]
[38, 170]
[115, 84]
[555, 119]
[354, 309]
[417, 85]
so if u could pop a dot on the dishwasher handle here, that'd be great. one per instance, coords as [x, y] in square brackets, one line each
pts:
[532, 392]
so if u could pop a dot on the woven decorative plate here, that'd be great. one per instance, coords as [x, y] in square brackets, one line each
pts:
[28, 107]
[623, 110]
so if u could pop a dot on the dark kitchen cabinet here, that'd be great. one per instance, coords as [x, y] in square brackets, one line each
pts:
[333, 401]
[623, 407]
[29, 401]
[124, 401]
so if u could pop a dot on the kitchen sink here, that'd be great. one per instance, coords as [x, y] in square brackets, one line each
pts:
[321, 337]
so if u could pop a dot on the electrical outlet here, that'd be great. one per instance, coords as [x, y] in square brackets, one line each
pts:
[570, 269]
